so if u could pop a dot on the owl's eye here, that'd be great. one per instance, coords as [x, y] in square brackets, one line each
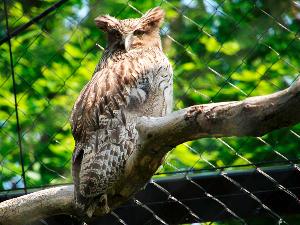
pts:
[138, 32]
[114, 32]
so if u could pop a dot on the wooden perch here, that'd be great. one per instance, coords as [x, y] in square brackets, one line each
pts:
[254, 116]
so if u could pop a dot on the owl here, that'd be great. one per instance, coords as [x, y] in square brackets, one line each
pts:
[133, 79]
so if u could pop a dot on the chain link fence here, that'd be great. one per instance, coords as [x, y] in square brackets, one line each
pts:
[220, 51]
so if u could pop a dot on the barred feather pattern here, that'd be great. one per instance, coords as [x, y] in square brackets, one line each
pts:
[125, 85]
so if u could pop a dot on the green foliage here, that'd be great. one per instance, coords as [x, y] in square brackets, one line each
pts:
[219, 53]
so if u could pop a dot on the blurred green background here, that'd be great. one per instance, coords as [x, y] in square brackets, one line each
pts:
[220, 51]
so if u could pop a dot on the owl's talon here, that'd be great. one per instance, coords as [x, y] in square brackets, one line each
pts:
[90, 211]
[103, 200]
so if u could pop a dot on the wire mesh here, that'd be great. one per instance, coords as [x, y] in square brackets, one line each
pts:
[220, 50]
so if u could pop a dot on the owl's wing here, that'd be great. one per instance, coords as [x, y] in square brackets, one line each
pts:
[104, 136]
[114, 88]
[104, 93]
[97, 111]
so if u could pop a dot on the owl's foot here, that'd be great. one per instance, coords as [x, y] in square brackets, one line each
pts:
[104, 203]
[90, 210]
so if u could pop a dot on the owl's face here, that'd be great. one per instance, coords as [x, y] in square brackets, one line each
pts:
[131, 34]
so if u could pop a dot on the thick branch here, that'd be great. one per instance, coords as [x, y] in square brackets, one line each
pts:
[252, 117]
[37, 205]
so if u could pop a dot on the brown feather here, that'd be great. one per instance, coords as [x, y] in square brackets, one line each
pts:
[127, 84]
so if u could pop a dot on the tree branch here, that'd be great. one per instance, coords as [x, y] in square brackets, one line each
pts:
[255, 116]
[252, 117]
[38, 205]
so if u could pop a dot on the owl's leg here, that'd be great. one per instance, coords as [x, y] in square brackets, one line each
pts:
[103, 200]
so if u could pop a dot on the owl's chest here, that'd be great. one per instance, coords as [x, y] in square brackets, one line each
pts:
[153, 94]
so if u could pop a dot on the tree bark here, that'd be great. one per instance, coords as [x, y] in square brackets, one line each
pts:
[37, 205]
[254, 116]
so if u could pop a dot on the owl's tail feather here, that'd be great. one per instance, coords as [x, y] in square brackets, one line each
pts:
[86, 207]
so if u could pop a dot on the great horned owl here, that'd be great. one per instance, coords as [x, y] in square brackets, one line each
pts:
[133, 79]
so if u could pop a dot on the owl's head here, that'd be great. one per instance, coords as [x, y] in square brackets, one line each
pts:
[132, 33]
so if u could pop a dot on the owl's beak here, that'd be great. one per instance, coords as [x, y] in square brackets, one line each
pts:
[127, 40]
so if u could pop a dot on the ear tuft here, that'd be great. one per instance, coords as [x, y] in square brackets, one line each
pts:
[106, 22]
[154, 17]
